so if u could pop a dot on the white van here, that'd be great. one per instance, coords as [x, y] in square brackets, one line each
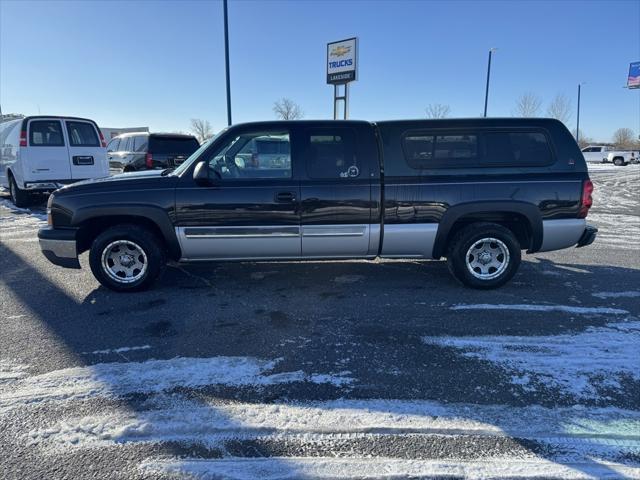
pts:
[40, 154]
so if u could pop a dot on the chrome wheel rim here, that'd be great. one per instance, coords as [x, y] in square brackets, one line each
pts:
[124, 261]
[487, 258]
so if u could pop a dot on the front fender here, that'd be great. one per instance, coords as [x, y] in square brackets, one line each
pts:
[155, 214]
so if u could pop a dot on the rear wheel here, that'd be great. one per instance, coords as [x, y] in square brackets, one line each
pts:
[127, 258]
[619, 162]
[20, 198]
[484, 255]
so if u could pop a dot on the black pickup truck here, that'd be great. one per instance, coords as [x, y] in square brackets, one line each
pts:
[476, 191]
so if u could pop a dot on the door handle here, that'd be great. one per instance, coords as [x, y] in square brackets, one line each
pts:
[285, 197]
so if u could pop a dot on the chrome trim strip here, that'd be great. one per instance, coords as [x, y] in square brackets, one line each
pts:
[411, 240]
[60, 248]
[392, 184]
[335, 241]
[241, 232]
[334, 230]
[559, 234]
[239, 243]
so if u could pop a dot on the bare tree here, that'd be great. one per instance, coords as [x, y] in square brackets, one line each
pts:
[623, 138]
[201, 129]
[560, 108]
[437, 110]
[287, 109]
[528, 105]
[583, 141]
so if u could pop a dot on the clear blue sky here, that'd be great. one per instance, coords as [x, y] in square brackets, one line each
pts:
[161, 63]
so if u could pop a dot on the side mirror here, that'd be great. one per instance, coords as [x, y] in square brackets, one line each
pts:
[201, 174]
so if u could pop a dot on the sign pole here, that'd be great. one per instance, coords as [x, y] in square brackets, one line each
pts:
[346, 101]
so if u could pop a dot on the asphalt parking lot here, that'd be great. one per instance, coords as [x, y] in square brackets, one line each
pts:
[326, 369]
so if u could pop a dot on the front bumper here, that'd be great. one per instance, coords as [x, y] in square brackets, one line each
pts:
[588, 236]
[59, 246]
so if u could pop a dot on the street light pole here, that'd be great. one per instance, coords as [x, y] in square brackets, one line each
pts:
[578, 117]
[486, 93]
[226, 60]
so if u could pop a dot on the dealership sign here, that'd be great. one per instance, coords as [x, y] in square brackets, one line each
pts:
[634, 75]
[342, 61]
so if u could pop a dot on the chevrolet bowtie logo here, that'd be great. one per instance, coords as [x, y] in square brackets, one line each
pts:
[340, 51]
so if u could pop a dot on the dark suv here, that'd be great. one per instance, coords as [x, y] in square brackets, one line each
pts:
[477, 191]
[149, 151]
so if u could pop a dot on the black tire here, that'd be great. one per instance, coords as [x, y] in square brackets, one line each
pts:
[471, 235]
[619, 162]
[151, 246]
[20, 198]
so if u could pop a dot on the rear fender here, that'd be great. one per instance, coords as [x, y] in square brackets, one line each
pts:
[453, 214]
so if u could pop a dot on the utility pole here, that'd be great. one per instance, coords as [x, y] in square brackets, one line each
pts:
[226, 59]
[486, 93]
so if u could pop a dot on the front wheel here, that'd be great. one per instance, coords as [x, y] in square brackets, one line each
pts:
[484, 255]
[127, 258]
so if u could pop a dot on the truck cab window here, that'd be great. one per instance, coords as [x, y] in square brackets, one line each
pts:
[254, 156]
[331, 154]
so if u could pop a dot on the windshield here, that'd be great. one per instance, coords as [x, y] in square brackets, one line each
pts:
[195, 155]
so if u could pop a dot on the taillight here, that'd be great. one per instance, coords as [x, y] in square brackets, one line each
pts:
[587, 200]
[149, 160]
[102, 142]
[23, 138]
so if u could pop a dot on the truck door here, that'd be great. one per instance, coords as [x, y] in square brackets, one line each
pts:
[336, 192]
[46, 157]
[250, 212]
[87, 156]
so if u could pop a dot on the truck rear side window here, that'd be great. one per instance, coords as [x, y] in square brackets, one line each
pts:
[45, 133]
[517, 149]
[423, 151]
[331, 153]
[82, 134]
[429, 151]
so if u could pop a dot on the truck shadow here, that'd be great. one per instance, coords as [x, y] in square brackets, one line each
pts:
[262, 310]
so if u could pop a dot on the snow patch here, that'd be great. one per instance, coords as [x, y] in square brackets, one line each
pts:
[576, 363]
[280, 468]
[11, 371]
[178, 419]
[631, 294]
[8, 204]
[543, 308]
[151, 376]
[117, 350]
